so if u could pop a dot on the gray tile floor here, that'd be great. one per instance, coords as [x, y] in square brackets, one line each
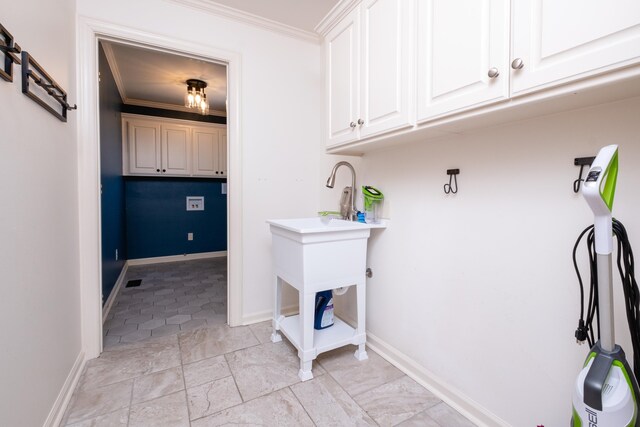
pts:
[173, 297]
[215, 375]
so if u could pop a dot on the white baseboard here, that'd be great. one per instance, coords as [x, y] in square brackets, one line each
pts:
[450, 395]
[174, 258]
[62, 401]
[114, 292]
[262, 316]
[453, 397]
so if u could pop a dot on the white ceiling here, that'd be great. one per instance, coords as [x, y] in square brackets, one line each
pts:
[158, 79]
[302, 14]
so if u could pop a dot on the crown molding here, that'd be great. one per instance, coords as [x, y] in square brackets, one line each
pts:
[172, 107]
[115, 71]
[335, 15]
[249, 18]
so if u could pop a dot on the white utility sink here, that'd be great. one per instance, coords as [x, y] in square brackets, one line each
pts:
[313, 255]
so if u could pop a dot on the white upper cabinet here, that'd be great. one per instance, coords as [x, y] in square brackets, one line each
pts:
[144, 147]
[560, 41]
[222, 153]
[341, 49]
[170, 147]
[176, 149]
[368, 60]
[463, 55]
[209, 152]
[421, 64]
[385, 62]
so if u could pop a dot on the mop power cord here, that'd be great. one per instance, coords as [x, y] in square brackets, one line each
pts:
[625, 262]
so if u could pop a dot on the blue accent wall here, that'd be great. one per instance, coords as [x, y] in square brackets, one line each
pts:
[113, 200]
[158, 222]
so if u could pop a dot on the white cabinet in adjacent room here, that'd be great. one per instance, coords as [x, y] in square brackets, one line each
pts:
[554, 42]
[368, 60]
[144, 147]
[209, 152]
[463, 55]
[176, 149]
[170, 147]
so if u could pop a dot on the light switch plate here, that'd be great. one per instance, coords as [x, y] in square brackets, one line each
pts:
[223, 188]
[195, 203]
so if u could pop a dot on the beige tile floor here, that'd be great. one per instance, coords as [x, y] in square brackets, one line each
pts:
[216, 375]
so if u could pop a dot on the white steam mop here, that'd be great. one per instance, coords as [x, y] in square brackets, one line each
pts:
[606, 390]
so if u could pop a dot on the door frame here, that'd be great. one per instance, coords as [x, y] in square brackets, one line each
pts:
[90, 31]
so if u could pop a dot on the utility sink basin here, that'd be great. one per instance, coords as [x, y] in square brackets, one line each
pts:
[319, 253]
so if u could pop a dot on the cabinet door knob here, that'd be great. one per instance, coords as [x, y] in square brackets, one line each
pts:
[517, 64]
[216, 172]
[164, 170]
[360, 122]
[493, 73]
[352, 125]
[157, 170]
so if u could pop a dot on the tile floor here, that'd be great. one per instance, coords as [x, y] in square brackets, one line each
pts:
[214, 375]
[173, 297]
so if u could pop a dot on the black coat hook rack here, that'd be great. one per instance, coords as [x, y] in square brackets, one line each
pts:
[9, 48]
[582, 162]
[33, 72]
[453, 176]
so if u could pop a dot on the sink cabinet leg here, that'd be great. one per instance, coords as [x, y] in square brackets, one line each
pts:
[361, 352]
[305, 373]
[307, 305]
[277, 309]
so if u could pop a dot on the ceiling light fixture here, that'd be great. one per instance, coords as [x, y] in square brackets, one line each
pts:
[195, 97]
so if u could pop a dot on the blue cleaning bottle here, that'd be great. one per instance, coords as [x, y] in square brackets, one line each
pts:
[324, 310]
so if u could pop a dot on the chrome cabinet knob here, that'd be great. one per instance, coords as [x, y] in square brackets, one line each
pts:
[352, 125]
[360, 122]
[493, 73]
[517, 64]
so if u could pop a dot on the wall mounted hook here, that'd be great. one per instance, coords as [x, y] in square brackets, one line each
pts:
[582, 162]
[453, 176]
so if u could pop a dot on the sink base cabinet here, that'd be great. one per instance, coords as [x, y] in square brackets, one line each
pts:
[312, 263]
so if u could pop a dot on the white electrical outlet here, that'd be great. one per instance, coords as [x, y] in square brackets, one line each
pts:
[189, 236]
[223, 188]
[116, 254]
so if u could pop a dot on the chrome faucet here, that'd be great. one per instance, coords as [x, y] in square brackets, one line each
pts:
[352, 215]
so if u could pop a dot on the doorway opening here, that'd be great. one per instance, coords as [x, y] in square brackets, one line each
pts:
[163, 169]
[91, 34]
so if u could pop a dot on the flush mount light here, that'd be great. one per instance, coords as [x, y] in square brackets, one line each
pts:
[195, 97]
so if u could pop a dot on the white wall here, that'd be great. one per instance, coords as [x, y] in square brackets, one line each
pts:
[39, 306]
[478, 288]
[281, 122]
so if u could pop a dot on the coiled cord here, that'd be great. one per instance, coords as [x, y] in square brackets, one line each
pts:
[626, 265]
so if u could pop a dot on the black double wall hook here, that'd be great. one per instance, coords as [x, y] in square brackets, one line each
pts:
[582, 162]
[453, 176]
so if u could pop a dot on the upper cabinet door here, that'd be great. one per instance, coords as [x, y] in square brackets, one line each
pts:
[386, 61]
[205, 152]
[176, 149]
[222, 153]
[463, 49]
[144, 147]
[560, 41]
[342, 56]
